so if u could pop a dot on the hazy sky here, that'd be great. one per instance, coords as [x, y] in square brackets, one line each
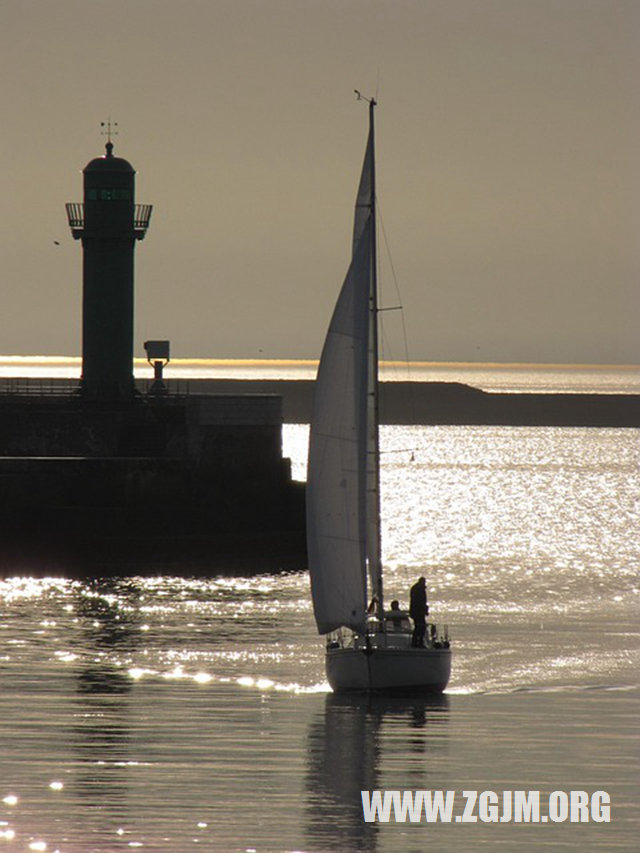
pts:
[508, 168]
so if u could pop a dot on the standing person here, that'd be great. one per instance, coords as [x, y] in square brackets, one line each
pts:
[418, 610]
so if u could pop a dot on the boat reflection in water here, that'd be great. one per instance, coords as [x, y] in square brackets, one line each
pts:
[365, 742]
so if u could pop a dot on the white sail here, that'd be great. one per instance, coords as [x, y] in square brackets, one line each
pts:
[363, 211]
[336, 478]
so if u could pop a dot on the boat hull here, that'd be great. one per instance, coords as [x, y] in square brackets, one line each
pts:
[388, 669]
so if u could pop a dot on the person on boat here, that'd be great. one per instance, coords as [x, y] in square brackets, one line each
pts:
[418, 610]
[396, 619]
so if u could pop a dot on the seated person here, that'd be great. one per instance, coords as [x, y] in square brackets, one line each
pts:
[396, 619]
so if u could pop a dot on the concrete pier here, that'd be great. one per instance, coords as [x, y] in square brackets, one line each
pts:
[191, 485]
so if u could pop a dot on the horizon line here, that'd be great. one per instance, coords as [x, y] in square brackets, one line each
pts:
[313, 362]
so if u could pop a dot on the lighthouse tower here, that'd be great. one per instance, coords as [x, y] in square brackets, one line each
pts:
[108, 222]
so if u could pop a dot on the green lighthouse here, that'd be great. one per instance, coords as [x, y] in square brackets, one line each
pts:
[108, 222]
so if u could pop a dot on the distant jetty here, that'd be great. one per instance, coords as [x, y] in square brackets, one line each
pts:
[452, 403]
[427, 403]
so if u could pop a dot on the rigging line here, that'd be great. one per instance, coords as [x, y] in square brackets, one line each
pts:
[395, 280]
[399, 296]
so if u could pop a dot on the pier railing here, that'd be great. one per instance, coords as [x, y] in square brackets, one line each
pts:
[37, 386]
[41, 386]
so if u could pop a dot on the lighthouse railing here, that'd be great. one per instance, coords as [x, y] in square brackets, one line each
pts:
[141, 218]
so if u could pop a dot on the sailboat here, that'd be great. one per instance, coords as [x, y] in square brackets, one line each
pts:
[365, 650]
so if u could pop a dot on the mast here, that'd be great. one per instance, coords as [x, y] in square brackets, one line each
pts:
[373, 446]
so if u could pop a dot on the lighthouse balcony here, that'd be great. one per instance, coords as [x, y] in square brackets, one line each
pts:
[141, 218]
[75, 215]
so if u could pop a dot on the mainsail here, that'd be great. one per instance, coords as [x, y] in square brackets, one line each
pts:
[342, 521]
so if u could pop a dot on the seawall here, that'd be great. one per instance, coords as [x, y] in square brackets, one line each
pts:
[450, 403]
[188, 484]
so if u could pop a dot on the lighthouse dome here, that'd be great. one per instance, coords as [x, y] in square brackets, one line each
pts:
[109, 163]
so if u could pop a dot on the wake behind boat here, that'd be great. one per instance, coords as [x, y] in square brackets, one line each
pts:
[343, 488]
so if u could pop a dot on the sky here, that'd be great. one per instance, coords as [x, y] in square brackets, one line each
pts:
[508, 152]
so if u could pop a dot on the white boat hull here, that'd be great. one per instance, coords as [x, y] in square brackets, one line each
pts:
[357, 668]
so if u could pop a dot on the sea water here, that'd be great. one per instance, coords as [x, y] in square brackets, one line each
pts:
[174, 714]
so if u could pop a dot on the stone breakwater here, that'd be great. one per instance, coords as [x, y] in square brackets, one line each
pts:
[449, 403]
[186, 483]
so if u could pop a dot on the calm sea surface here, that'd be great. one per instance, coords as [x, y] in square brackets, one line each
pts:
[171, 714]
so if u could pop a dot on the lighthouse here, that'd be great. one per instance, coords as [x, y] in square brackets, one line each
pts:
[108, 222]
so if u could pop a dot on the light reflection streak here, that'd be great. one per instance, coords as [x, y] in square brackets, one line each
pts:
[66, 657]
[24, 587]
[137, 672]
[268, 684]
[261, 683]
